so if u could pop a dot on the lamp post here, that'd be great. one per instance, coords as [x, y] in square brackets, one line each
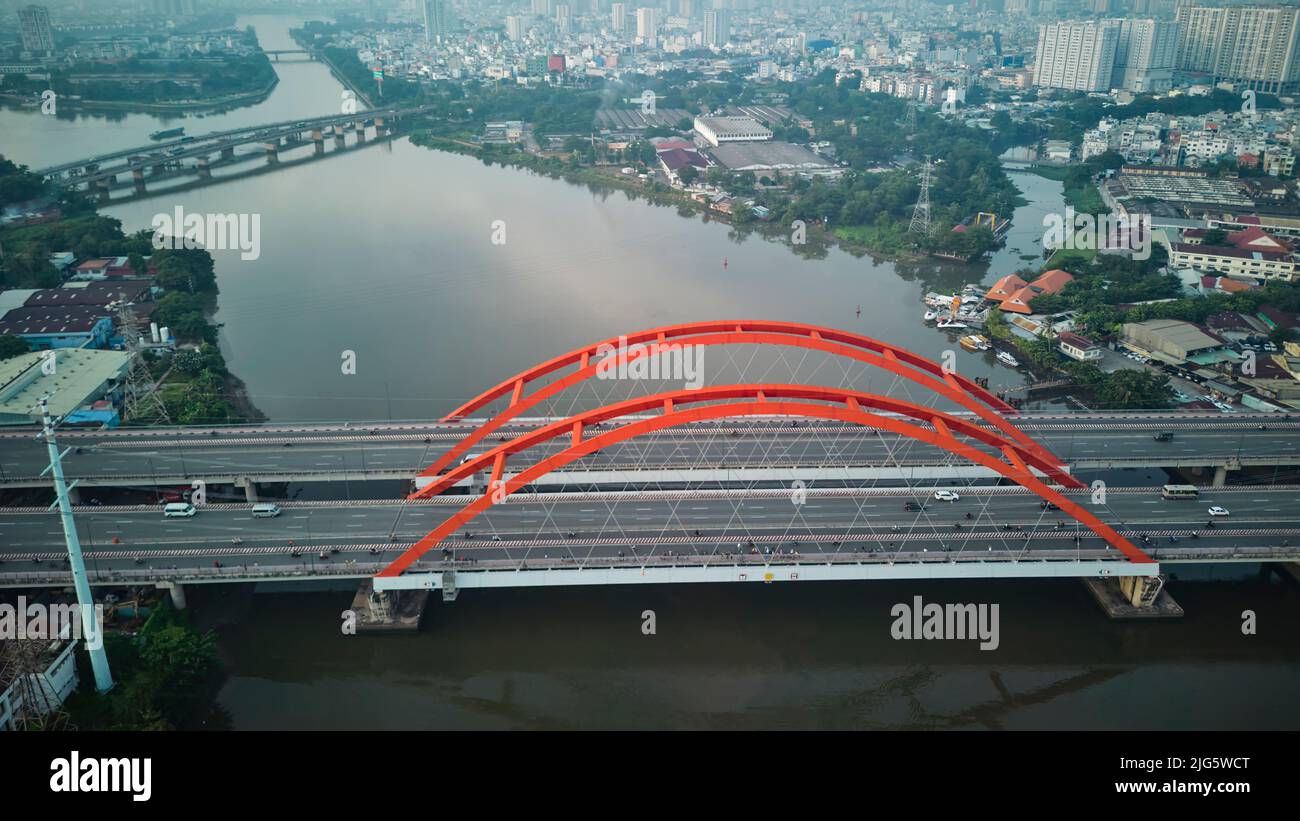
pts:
[85, 603]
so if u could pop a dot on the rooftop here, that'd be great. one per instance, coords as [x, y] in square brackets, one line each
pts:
[78, 376]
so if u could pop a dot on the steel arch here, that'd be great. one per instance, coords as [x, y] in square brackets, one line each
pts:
[1032, 455]
[848, 410]
[950, 386]
[667, 332]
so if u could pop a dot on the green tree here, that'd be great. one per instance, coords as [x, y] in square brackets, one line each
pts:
[11, 346]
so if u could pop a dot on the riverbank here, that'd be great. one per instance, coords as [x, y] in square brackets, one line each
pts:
[128, 106]
[660, 194]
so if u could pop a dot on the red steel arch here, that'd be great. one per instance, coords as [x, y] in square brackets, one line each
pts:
[1033, 456]
[840, 343]
[848, 409]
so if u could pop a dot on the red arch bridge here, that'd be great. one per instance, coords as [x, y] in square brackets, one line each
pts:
[695, 523]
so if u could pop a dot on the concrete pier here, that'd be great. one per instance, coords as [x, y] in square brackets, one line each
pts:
[1134, 597]
[177, 591]
[396, 611]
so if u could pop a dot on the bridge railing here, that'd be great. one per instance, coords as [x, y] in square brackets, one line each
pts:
[340, 568]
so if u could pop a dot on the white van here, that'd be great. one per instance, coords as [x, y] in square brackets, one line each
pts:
[179, 509]
[265, 511]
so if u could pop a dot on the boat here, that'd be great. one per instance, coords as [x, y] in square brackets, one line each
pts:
[974, 342]
[166, 133]
[949, 322]
[930, 316]
[1007, 359]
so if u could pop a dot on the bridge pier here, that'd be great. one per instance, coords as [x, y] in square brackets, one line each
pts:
[361, 132]
[339, 143]
[250, 489]
[1221, 471]
[388, 611]
[104, 186]
[202, 166]
[177, 591]
[1133, 597]
[318, 140]
[137, 176]
[228, 153]
[272, 153]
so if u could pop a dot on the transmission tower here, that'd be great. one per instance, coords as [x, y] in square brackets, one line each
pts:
[921, 214]
[143, 404]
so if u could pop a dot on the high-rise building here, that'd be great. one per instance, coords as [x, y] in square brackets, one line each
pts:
[647, 24]
[717, 28]
[34, 29]
[1256, 46]
[562, 21]
[618, 17]
[435, 20]
[1076, 56]
[542, 8]
[514, 28]
[1145, 55]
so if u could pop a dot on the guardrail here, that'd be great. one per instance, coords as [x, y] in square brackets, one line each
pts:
[323, 569]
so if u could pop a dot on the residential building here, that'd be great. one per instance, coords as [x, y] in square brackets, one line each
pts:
[717, 28]
[647, 25]
[1256, 45]
[1146, 53]
[1013, 294]
[435, 20]
[1078, 347]
[34, 29]
[1076, 56]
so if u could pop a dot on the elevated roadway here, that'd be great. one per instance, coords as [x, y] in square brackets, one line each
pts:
[749, 451]
[1008, 533]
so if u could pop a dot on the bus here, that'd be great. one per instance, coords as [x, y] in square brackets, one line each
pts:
[1179, 492]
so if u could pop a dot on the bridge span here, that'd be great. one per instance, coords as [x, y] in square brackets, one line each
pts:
[747, 481]
[197, 156]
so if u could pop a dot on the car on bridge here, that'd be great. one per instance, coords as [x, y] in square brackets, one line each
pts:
[946, 496]
[265, 510]
[1218, 511]
[1163, 436]
[179, 510]
[913, 507]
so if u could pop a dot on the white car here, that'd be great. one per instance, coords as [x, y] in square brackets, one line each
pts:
[1218, 511]
[946, 496]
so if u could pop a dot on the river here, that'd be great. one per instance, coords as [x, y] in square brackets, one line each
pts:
[387, 252]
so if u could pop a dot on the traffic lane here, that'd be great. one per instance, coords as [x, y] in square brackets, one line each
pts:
[359, 520]
[692, 451]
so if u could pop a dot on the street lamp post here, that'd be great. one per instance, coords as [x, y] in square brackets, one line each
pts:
[85, 603]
